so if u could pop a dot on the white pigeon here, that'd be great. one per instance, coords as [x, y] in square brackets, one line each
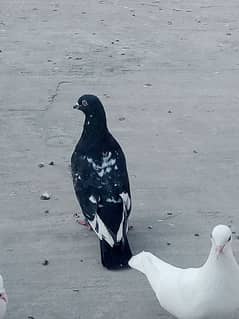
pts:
[207, 292]
[3, 299]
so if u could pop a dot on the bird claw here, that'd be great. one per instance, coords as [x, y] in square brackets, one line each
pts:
[82, 222]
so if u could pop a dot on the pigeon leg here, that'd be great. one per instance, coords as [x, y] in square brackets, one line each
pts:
[82, 222]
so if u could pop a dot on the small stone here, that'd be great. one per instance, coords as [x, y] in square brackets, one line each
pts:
[0, 51]
[229, 33]
[81, 260]
[195, 151]
[51, 163]
[169, 111]
[69, 57]
[45, 262]
[147, 85]
[49, 60]
[45, 196]
[83, 12]
[237, 237]
[196, 235]
[122, 54]
[170, 214]
[122, 118]
[78, 58]
[234, 232]
[131, 227]
[30, 317]
[46, 211]
[41, 165]
[170, 22]
[76, 290]
[168, 243]
[112, 42]
[150, 227]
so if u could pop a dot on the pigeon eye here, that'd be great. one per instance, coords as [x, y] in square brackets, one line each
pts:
[84, 103]
[229, 238]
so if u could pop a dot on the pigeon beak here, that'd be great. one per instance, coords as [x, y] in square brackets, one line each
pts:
[219, 250]
[77, 106]
[4, 297]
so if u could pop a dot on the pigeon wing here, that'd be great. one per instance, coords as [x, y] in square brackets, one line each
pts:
[83, 181]
[101, 179]
[116, 180]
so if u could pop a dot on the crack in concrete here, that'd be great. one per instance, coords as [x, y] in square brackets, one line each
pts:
[51, 99]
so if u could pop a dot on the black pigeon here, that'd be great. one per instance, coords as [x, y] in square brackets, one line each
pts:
[101, 184]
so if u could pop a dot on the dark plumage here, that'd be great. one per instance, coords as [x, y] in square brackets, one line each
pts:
[101, 183]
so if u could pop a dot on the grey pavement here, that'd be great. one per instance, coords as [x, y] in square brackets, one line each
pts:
[167, 73]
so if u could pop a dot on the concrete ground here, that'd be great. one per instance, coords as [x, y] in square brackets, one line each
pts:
[167, 73]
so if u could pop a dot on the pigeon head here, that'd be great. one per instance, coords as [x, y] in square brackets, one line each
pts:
[221, 238]
[95, 119]
[89, 104]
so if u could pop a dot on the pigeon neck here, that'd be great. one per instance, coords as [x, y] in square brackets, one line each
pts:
[224, 261]
[95, 126]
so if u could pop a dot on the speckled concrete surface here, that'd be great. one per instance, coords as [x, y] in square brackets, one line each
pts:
[167, 73]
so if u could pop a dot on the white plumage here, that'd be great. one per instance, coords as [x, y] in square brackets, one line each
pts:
[208, 292]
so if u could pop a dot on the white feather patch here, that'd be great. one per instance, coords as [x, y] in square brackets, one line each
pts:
[112, 200]
[106, 165]
[126, 199]
[102, 232]
[92, 199]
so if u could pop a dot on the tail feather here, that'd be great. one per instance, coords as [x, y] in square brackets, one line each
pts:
[115, 257]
